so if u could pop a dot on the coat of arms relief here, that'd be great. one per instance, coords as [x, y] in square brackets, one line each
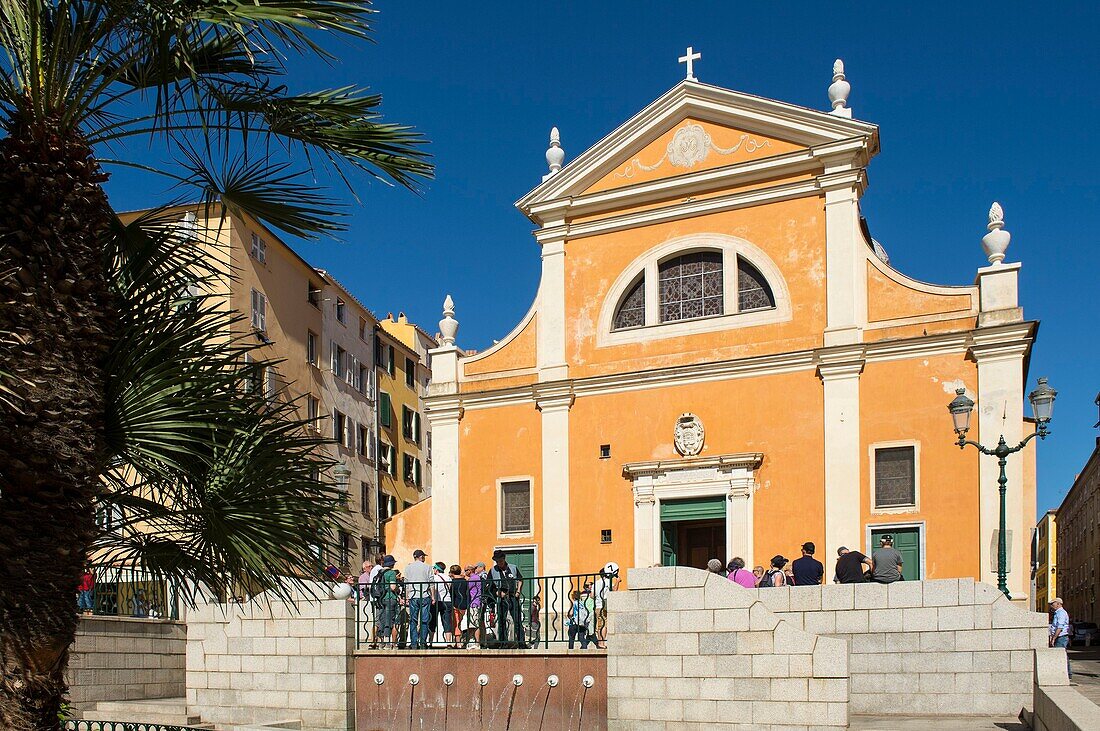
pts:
[688, 435]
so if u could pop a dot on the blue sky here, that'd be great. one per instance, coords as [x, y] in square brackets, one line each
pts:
[973, 104]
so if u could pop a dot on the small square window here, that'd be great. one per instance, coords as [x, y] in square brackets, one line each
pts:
[314, 295]
[515, 507]
[258, 250]
[605, 451]
[605, 535]
[895, 477]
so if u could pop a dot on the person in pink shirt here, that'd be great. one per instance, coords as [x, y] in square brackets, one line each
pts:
[738, 574]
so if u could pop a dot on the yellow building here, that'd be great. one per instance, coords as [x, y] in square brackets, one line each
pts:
[1046, 560]
[323, 340]
[400, 428]
[416, 338]
[720, 362]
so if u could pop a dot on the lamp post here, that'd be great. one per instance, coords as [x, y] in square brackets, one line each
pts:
[1042, 407]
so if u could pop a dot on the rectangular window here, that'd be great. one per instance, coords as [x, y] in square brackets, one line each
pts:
[345, 549]
[515, 507]
[385, 418]
[410, 372]
[362, 379]
[379, 351]
[314, 295]
[341, 310]
[271, 387]
[389, 360]
[311, 347]
[339, 428]
[383, 504]
[363, 331]
[259, 311]
[364, 499]
[313, 410]
[351, 368]
[337, 357]
[895, 477]
[418, 473]
[362, 437]
[387, 458]
[408, 468]
[428, 456]
[407, 422]
[258, 250]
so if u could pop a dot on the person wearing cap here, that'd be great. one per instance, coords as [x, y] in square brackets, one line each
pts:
[886, 562]
[505, 588]
[418, 582]
[389, 604]
[808, 571]
[849, 567]
[1059, 629]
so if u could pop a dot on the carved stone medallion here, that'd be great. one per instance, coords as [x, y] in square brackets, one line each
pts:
[688, 435]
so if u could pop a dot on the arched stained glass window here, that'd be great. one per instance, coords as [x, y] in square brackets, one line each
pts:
[632, 308]
[753, 292]
[690, 286]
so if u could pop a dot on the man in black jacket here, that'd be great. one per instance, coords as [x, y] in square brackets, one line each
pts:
[504, 583]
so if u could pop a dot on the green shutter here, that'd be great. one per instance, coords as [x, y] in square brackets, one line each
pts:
[706, 508]
[384, 416]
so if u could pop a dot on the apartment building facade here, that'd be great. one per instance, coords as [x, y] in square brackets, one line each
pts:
[400, 427]
[343, 354]
[1079, 541]
[415, 337]
[1046, 560]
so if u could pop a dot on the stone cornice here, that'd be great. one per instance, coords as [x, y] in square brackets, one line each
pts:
[721, 462]
[1002, 341]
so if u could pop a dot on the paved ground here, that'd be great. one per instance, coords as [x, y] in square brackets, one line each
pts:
[934, 723]
[1085, 662]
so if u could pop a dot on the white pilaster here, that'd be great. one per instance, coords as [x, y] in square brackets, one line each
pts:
[840, 380]
[1000, 410]
[647, 539]
[845, 252]
[739, 537]
[554, 403]
[444, 413]
[551, 319]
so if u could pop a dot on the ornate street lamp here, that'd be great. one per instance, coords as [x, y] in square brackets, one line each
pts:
[1042, 407]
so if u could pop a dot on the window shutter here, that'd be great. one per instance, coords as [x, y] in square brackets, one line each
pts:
[384, 417]
[349, 373]
[370, 383]
[334, 357]
[357, 382]
[371, 445]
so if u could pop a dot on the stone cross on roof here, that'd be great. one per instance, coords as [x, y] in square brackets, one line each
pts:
[689, 58]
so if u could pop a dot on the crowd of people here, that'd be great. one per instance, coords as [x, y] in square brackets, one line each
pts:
[472, 606]
[884, 566]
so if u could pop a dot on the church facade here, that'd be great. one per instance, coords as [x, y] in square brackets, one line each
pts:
[721, 362]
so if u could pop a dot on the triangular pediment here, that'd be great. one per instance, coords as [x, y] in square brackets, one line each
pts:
[693, 127]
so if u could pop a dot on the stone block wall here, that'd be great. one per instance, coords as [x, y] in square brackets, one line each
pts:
[123, 658]
[1058, 707]
[692, 650]
[961, 646]
[262, 662]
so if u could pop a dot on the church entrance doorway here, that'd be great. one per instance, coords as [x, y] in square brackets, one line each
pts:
[693, 531]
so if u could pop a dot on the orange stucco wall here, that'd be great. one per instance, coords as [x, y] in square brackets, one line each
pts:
[905, 401]
[779, 415]
[888, 300]
[516, 353]
[496, 444]
[750, 146]
[791, 233]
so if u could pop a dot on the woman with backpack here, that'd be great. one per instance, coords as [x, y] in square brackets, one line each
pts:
[774, 576]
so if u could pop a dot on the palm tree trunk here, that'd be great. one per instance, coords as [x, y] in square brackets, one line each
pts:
[53, 216]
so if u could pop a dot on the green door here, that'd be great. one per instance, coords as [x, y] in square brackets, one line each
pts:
[907, 543]
[668, 544]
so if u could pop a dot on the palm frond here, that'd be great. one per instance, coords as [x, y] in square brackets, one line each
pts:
[218, 483]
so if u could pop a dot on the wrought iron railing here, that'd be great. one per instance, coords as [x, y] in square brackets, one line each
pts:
[128, 593]
[123, 726]
[547, 610]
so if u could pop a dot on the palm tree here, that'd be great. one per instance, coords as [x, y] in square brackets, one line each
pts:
[200, 79]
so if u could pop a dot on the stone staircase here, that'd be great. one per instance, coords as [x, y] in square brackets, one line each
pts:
[166, 711]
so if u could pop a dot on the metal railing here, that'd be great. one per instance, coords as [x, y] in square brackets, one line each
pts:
[495, 614]
[123, 726]
[128, 593]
